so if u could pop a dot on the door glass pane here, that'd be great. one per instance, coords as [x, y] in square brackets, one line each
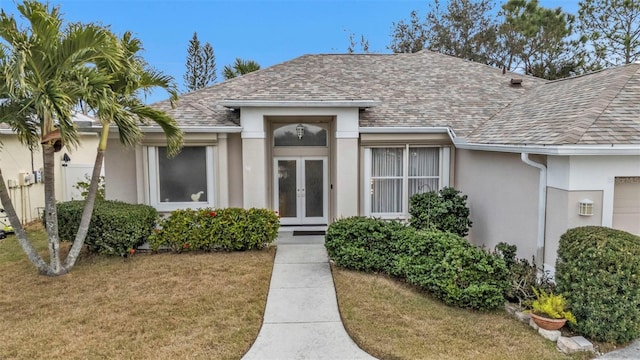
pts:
[287, 194]
[184, 177]
[314, 188]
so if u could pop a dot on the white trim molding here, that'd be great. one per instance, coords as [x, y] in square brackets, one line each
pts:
[612, 149]
[236, 104]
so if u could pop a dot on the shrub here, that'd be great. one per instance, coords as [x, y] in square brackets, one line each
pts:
[598, 271]
[231, 229]
[115, 227]
[523, 276]
[363, 243]
[453, 270]
[445, 210]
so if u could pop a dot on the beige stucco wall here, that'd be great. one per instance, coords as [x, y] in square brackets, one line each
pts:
[562, 214]
[503, 198]
[234, 145]
[16, 158]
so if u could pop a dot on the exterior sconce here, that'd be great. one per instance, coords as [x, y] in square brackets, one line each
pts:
[585, 207]
[65, 159]
[300, 131]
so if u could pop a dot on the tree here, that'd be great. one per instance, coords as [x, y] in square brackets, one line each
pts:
[363, 43]
[465, 29]
[537, 40]
[612, 28]
[201, 65]
[125, 110]
[239, 68]
[408, 37]
[47, 69]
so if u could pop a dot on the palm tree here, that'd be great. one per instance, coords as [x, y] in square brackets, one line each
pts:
[46, 69]
[125, 110]
[239, 68]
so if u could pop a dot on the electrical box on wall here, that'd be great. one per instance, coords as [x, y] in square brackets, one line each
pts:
[37, 176]
[24, 178]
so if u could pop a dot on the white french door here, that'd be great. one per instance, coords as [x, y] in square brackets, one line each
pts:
[301, 189]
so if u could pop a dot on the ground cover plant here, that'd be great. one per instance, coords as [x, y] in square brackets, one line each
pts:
[598, 271]
[161, 306]
[392, 320]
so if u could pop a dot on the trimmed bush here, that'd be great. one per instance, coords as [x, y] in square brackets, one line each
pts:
[443, 263]
[232, 229]
[598, 271]
[115, 228]
[362, 243]
[452, 269]
[445, 210]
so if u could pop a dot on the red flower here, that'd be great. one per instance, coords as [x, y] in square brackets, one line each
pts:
[132, 251]
[185, 246]
[212, 214]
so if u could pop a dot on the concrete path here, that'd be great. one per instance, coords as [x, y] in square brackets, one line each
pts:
[631, 352]
[301, 320]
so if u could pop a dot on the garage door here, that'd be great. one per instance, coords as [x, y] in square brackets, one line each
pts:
[626, 204]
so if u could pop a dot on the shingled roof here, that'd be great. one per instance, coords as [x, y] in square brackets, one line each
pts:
[424, 89]
[597, 108]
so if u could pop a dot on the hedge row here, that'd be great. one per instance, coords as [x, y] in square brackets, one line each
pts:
[216, 230]
[443, 263]
[598, 271]
[115, 227]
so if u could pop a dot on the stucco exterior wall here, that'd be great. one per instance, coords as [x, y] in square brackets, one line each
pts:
[562, 214]
[121, 172]
[234, 145]
[16, 158]
[502, 196]
[592, 173]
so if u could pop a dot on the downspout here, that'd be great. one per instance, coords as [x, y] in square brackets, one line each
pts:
[542, 207]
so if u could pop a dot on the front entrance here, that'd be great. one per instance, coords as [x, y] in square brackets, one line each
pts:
[301, 189]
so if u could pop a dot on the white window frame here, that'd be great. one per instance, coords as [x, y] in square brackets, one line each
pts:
[443, 178]
[154, 183]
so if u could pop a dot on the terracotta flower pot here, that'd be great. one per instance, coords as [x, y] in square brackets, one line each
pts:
[547, 323]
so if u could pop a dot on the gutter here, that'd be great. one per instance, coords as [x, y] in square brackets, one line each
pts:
[542, 207]
[409, 130]
[610, 149]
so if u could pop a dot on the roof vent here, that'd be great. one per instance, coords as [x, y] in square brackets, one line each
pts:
[516, 81]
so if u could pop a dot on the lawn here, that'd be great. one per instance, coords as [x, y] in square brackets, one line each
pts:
[162, 306]
[391, 320]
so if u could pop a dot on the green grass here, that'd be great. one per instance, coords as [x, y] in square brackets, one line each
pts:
[391, 320]
[162, 306]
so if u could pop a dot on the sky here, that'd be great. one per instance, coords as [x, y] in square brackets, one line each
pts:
[266, 31]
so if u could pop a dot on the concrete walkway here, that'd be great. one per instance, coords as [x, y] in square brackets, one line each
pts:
[631, 352]
[301, 320]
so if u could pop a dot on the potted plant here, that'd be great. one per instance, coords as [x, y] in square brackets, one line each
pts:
[549, 311]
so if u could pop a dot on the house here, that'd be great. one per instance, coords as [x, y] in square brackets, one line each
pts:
[22, 169]
[327, 136]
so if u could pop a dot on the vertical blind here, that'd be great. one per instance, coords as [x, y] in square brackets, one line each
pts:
[388, 175]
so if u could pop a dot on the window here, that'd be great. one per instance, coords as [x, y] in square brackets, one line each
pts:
[300, 135]
[183, 181]
[394, 174]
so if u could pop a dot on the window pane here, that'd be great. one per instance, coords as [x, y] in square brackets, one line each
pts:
[424, 161]
[386, 196]
[422, 185]
[184, 177]
[300, 135]
[314, 188]
[386, 162]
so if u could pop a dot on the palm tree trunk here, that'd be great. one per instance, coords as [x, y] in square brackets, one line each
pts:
[31, 252]
[50, 211]
[90, 201]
